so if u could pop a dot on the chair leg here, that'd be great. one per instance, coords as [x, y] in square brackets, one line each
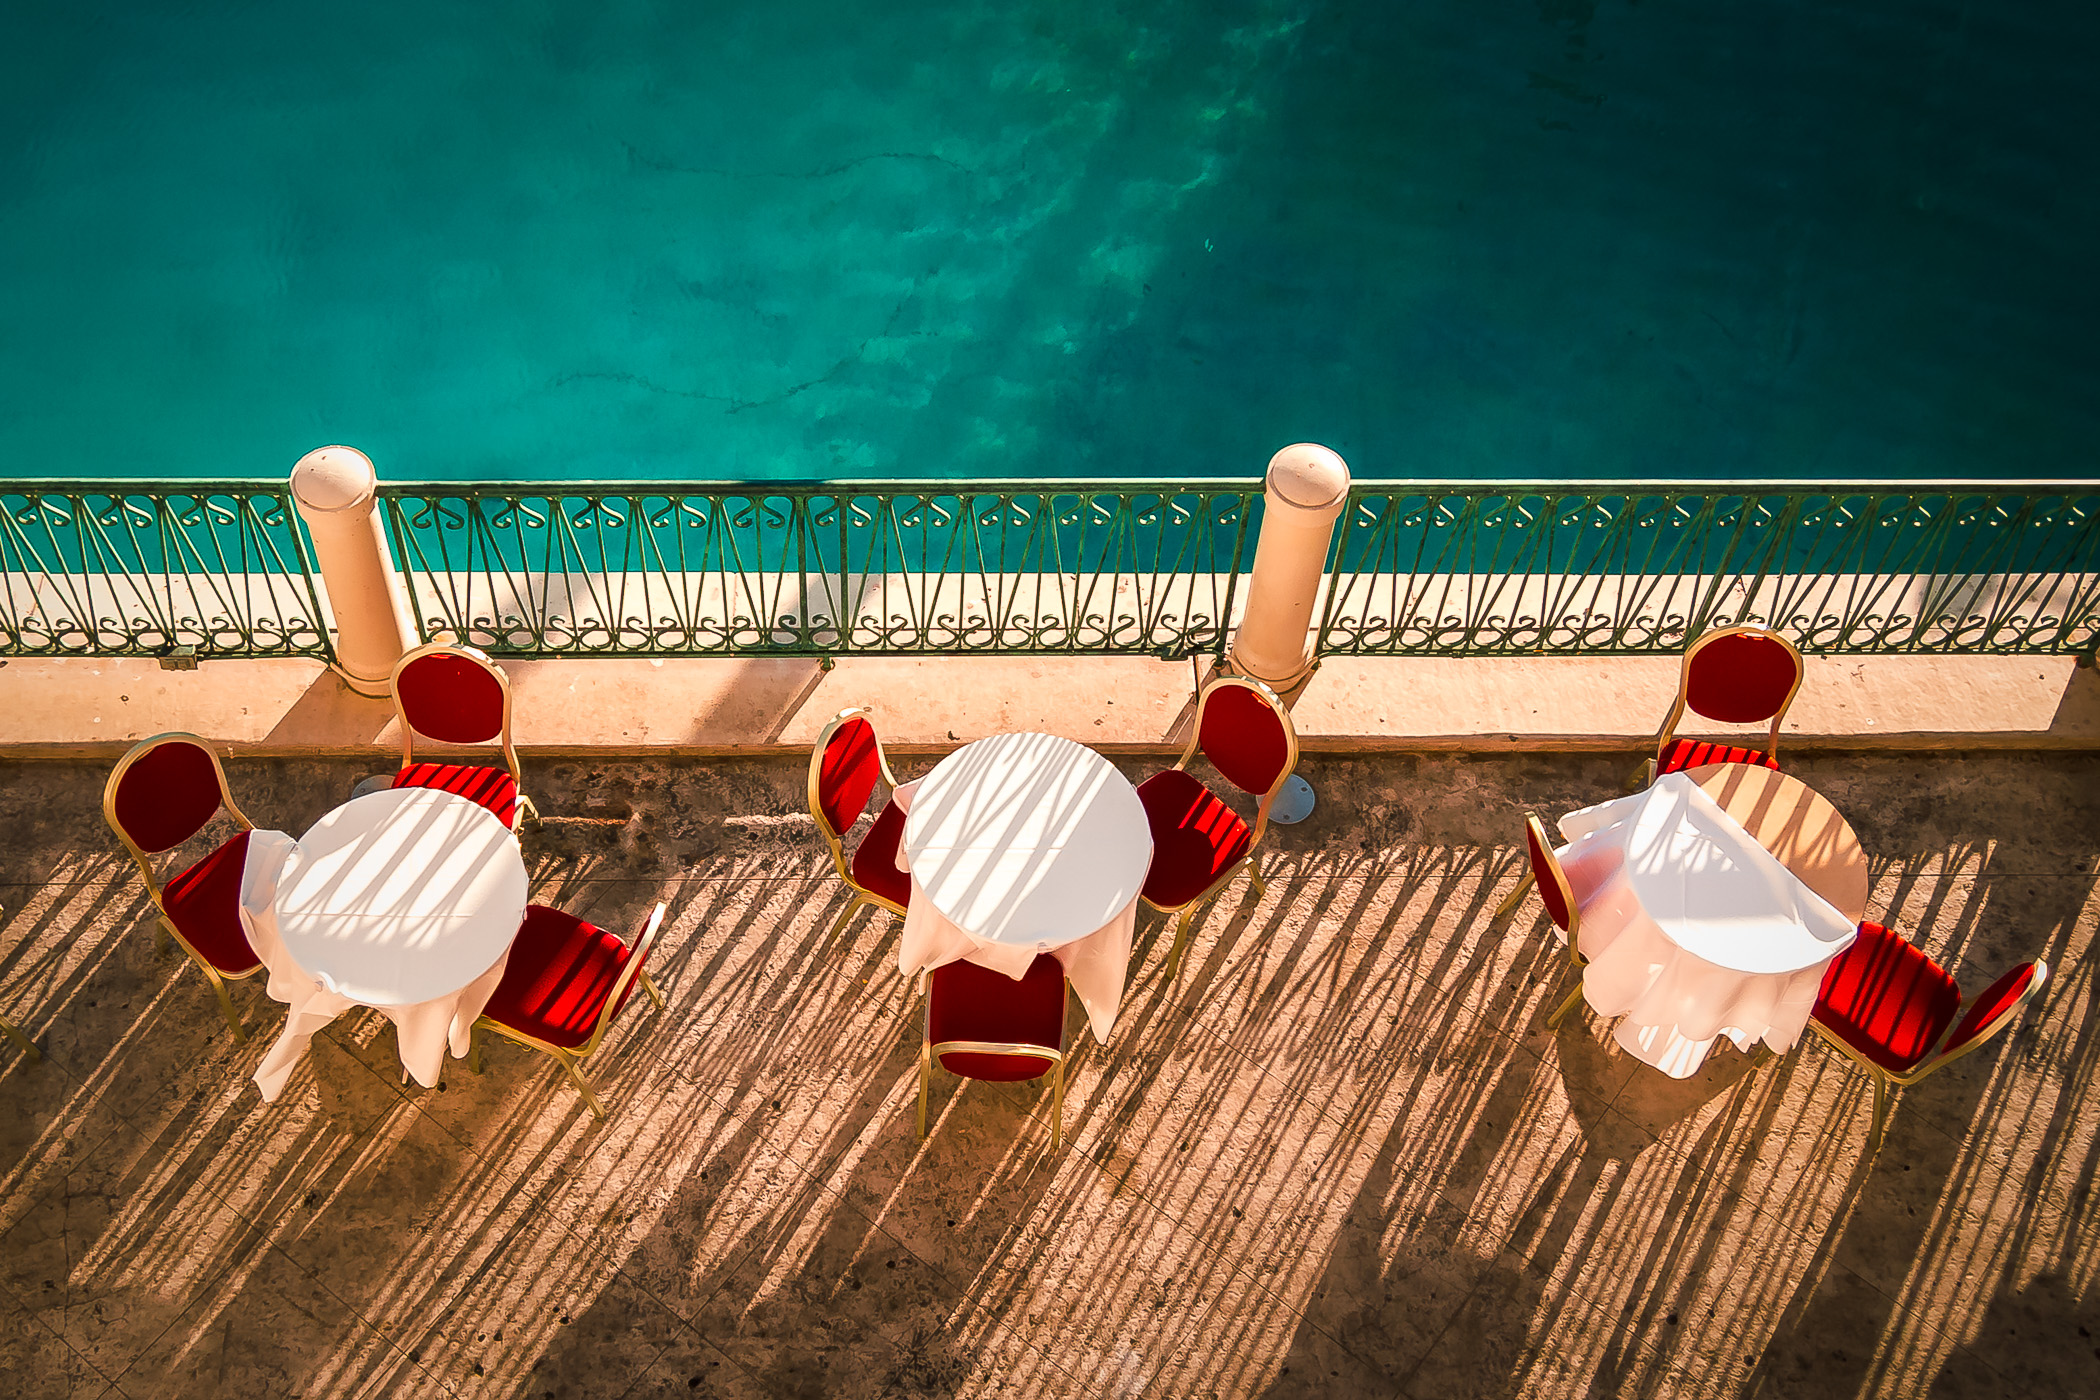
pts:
[1516, 896]
[28, 1045]
[583, 1086]
[655, 993]
[1881, 1112]
[163, 939]
[1181, 940]
[925, 1084]
[1261, 886]
[1643, 776]
[1057, 1106]
[233, 1022]
[528, 814]
[1568, 1004]
[840, 922]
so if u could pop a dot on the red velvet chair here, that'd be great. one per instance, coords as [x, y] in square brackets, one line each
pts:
[456, 695]
[1733, 675]
[1559, 898]
[1198, 843]
[564, 983]
[161, 794]
[843, 768]
[982, 1024]
[1884, 1005]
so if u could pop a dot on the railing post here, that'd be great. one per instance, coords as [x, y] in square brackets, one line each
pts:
[1306, 487]
[337, 493]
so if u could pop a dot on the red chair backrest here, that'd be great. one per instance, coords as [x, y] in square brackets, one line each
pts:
[847, 766]
[1244, 736]
[1898, 999]
[1741, 678]
[966, 1002]
[166, 795]
[451, 698]
[631, 970]
[1998, 1001]
[1554, 891]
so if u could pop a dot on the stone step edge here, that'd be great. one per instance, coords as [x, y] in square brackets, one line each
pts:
[62, 710]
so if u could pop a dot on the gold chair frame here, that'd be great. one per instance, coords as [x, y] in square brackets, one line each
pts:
[1663, 737]
[836, 840]
[572, 1060]
[28, 1045]
[154, 884]
[1251, 861]
[527, 810]
[1886, 1082]
[1536, 830]
[930, 1053]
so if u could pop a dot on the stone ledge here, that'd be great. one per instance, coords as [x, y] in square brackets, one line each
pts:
[94, 709]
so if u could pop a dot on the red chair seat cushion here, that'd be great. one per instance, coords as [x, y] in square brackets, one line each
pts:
[493, 788]
[875, 858]
[204, 902]
[968, 1002]
[1886, 999]
[1195, 837]
[1697, 753]
[561, 971]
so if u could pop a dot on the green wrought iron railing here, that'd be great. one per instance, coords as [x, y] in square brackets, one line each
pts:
[1484, 568]
[189, 569]
[1131, 568]
[826, 570]
[1632, 567]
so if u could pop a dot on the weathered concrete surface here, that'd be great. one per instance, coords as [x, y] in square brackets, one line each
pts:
[1339, 1157]
[1122, 704]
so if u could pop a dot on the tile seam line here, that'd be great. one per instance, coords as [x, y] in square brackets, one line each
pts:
[810, 1174]
[1517, 1043]
[511, 1174]
[36, 1319]
[270, 1245]
[1171, 1221]
[270, 1232]
[1777, 1216]
[512, 1179]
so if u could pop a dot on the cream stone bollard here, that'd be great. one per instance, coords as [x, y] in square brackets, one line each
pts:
[1305, 490]
[337, 493]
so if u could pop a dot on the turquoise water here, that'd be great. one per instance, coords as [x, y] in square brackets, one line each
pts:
[1452, 238]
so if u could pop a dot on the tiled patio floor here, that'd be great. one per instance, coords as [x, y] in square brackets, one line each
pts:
[1339, 1157]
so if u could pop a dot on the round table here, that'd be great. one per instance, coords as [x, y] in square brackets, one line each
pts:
[402, 896]
[1693, 926]
[1797, 825]
[1027, 841]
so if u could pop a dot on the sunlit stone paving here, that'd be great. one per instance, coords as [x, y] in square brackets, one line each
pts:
[1340, 1155]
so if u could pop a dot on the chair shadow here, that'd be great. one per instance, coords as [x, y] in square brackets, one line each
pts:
[1395, 1178]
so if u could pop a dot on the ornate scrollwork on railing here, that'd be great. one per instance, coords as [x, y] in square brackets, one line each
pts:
[1629, 567]
[122, 569]
[1146, 568]
[826, 568]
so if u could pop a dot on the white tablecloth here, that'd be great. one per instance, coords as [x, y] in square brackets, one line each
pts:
[1024, 844]
[1692, 929]
[420, 936]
